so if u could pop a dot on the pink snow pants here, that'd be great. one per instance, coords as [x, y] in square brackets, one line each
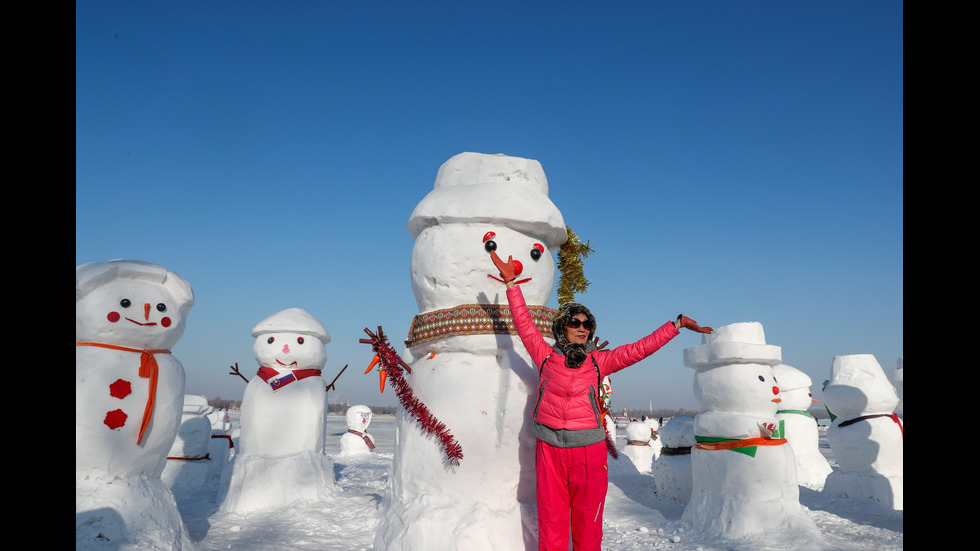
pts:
[571, 489]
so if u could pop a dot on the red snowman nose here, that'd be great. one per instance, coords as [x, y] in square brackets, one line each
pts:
[775, 390]
[518, 267]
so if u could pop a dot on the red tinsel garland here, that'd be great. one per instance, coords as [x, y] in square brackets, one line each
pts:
[392, 363]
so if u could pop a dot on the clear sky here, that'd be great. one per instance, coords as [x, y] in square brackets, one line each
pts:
[733, 161]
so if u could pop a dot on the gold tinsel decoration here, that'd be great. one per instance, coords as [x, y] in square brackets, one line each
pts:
[570, 256]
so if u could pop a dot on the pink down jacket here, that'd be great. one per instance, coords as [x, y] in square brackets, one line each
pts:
[568, 398]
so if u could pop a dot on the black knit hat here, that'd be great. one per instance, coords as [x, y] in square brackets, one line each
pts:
[574, 353]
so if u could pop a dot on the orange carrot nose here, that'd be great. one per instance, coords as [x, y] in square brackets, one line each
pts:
[146, 311]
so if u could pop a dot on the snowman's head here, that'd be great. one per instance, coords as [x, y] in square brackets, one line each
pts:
[858, 386]
[794, 386]
[747, 388]
[291, 339]
[481, 203]
[359, 417]
[130, 303]
[733, 370]
[638, 432]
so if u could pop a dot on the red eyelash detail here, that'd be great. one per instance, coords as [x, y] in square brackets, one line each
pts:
[489, 235]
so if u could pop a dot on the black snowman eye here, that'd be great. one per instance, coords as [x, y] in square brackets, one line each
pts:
[125, 303]
[535, 254]
[300, 340]
[161, 307]
[761, 378]
[271, 340]
[490, 245]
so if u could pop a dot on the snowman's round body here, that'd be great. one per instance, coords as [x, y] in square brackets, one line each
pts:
[189, 463]
[128, 314]
[281, 456]
[866, 436]
[475, 378]
[800, 427]
[357, 441]
[750, 490]
[672, 467]
[638, 446]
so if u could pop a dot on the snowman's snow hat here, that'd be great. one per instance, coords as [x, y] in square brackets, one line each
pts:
[477, 187]
[292, 320]
[857, 370]
[93, 275]
[738, 343]
[790, 378]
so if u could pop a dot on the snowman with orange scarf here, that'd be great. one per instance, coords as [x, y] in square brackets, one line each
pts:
[129, 395]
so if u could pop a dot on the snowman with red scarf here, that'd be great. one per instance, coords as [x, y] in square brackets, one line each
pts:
[867, 437]
[280, 457]
[129, 395]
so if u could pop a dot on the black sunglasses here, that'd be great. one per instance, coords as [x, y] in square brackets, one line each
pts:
[574, 323]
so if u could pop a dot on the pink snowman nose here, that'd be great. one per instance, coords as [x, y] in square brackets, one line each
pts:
[285, 350]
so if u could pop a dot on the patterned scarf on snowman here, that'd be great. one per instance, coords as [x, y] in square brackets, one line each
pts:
[473, 319]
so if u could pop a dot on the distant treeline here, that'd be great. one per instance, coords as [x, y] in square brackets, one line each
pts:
[817, 412]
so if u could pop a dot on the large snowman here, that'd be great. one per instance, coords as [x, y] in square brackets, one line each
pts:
[280, 457]
[129, 394]
[744, 473]
[468, 366]
[866, 436]
[800, 427]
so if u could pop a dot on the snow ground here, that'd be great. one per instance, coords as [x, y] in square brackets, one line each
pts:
[636, 517]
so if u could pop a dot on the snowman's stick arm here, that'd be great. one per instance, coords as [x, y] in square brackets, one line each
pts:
[335, 379]
[379, 341]
[235, 371]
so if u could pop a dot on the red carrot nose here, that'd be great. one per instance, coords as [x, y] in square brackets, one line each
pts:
[518, 267]
[146, 311]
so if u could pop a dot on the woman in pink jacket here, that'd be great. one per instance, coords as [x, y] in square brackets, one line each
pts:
[570, 457]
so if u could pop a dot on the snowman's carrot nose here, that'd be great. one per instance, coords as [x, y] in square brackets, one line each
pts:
[146, 311]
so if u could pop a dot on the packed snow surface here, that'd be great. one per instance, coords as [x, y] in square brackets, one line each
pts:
[636, 517]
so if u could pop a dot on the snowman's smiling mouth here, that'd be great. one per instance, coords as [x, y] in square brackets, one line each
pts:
[285, 365]
[142, 324]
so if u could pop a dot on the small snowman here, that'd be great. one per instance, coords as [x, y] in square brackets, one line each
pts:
[744, 474]
[672, 468]
[357, 441]
[468, 366]
[799, 426]
[280, 457]
[867, 438]
[638, 447]
[129, 394]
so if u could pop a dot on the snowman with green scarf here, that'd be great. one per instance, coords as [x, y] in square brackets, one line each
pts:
[800, 427]
[744, 473]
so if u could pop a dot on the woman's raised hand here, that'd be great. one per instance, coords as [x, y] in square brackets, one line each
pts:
[508, 271]
[684, 321]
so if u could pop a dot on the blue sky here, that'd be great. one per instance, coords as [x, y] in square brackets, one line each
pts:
[734, 161]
